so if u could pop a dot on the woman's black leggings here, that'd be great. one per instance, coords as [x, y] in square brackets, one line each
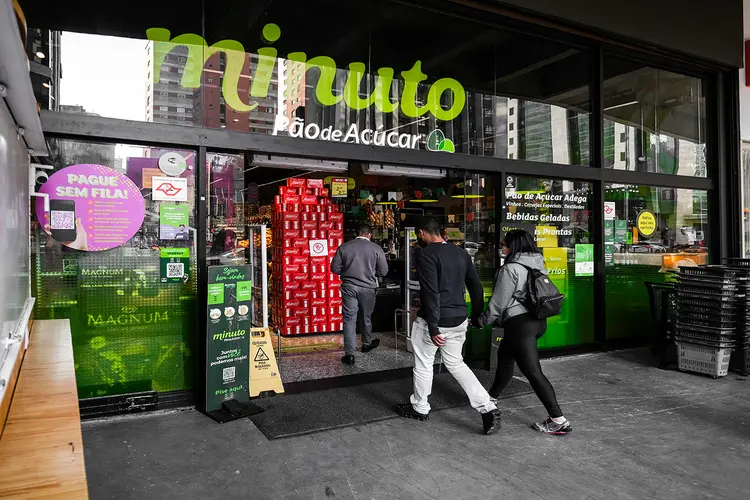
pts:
[519, 345]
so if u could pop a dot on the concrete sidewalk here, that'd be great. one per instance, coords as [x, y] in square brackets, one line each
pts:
[639, 433]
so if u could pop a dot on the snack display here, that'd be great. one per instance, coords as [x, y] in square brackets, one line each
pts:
[305, 295]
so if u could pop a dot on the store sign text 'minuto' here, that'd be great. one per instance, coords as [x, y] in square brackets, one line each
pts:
[199, 52]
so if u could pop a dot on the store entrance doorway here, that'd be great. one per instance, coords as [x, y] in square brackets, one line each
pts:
[261, 204]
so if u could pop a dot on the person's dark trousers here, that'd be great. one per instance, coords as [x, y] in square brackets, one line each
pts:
[359, 303]
[519, 344]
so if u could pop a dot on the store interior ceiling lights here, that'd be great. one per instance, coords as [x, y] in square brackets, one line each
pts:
[400, 171]
[291, 163]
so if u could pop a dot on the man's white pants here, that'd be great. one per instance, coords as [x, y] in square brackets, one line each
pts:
[424, 366]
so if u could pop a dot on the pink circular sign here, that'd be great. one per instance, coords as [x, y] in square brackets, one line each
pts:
[92, 207]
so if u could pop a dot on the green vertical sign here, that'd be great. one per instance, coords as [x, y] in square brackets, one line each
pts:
[584, 260]
[621, 231]
[175, 264]
[228, 335]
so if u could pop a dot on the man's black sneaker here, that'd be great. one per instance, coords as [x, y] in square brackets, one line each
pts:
[348, 359]
[550, 427]
[372, 345]
[408, 411]
[491, 421]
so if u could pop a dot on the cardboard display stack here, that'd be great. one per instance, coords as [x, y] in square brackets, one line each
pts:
[305, 295]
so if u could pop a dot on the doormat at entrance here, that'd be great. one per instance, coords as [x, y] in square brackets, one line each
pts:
[309, 412]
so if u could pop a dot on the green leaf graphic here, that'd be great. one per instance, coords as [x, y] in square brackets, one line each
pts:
[447, 145]
[434, 140]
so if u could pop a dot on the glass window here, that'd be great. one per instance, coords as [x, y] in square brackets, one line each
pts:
[745, 181]
[649, 231]
[659, 117]
[132, 314]
[559, 214]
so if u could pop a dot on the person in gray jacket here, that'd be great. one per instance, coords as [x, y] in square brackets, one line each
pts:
[359, 262]
[521, 329]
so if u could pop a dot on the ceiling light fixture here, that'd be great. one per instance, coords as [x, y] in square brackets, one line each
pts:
[404, 171]
[40, 55]
[291, 163]
[621, 105]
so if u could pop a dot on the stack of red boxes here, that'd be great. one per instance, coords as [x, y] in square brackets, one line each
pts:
[306, 296]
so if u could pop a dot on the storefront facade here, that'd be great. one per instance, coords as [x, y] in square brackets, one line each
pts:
[614, 156]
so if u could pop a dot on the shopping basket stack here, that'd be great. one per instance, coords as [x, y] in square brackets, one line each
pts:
[709, 300]
[741, 357]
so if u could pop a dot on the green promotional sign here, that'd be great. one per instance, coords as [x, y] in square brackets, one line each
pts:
[585, 259]
[175, 265]
[609, 254]
[173, 222]
[609, 231]
[621, 231]
[228, 335]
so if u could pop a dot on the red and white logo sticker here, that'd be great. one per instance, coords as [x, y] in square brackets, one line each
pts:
[169, 189]
[318, 248]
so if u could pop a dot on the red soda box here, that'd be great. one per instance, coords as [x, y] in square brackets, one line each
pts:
[336, 301]
[304, 216]
[335, 233]
[314, 183]
[318, 277]
[322, 234]
[319, 302]
[318, 311]
[299, 278]
[335, 310]
[296, 182]
[302, 312]
[336, 217]
[301, 294]
[323, 192]
[305, 251]
[322, 217]
[300, 243]
[309, 199]
[309, 286]
[306, 234]
[339, 226]
[326, 226]
[309, 225]
[291, 217]
[299, 259]
[320, 320]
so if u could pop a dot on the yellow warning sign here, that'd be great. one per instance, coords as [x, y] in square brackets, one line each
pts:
[264, 372]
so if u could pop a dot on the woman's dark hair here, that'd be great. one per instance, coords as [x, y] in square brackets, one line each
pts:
[519, 241]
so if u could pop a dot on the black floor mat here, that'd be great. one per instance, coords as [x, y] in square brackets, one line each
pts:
[309, 412]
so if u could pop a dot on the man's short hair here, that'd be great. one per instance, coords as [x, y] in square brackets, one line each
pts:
[430, 226]
[365, 229]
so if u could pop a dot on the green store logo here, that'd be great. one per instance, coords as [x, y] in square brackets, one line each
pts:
[436, 141]
[199, 52]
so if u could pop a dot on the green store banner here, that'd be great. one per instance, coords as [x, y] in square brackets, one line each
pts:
[175, 265]
[228, 335]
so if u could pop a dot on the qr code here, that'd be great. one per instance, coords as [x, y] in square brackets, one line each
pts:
[62, 219]
[228, 373]
[175, 270]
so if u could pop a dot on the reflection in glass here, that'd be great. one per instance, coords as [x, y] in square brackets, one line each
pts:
[637, 253]
[654, 120]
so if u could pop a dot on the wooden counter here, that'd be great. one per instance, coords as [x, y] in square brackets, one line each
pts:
[41, 450]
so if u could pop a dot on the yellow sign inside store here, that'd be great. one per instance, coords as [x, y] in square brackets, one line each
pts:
[546, 236]
[646, 223]
[556, 262]
[264, 371]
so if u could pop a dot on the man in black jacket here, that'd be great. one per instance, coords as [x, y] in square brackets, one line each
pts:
[443, 271]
